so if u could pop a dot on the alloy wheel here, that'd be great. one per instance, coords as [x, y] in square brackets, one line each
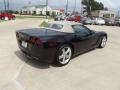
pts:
[65, 55]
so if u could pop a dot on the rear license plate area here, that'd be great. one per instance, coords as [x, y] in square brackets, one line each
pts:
[24, 44]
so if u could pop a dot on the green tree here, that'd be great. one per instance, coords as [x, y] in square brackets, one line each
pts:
[92, 5]
[101, 6]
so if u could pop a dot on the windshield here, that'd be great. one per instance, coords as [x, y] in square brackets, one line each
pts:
[54, 26]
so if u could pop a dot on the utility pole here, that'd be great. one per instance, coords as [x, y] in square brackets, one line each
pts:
[5, 5]
[46, 9]
[8, 5]
[67, 7]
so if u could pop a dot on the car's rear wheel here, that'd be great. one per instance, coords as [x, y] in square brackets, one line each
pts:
[103, 42]
[64, 55]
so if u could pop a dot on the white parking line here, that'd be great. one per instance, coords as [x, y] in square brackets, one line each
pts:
[18, 71]
[16, 77]
[19, 85]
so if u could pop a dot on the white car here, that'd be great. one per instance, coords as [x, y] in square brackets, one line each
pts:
[99, 21]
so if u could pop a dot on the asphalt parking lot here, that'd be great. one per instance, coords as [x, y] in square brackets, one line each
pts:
[98, 69]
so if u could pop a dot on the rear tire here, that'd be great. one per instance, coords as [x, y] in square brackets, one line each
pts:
[63, 55]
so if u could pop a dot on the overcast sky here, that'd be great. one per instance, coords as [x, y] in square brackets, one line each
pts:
[15, 4]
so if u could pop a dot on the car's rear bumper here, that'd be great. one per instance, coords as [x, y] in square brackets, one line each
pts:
[40, 53]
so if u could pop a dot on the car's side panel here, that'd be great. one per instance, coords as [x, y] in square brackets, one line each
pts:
[85, 43]
[80, 44]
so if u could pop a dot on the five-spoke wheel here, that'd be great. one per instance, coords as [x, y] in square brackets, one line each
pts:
[64, 55]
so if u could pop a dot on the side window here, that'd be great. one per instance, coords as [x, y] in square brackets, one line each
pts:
[81, 30]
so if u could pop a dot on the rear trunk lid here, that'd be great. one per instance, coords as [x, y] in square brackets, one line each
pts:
[38, 32]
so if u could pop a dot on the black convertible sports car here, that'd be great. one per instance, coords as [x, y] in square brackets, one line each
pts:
[59, 41]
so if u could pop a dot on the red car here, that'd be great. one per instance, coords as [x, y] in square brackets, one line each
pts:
[74, 18]
[7, 16]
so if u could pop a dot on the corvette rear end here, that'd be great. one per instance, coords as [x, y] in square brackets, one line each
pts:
[33, 43]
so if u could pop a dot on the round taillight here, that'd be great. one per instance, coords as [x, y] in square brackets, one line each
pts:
[35, 40]
[32, 40]
[38, 42]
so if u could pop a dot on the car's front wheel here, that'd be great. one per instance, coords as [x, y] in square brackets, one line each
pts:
[103, 42]
[64, 55]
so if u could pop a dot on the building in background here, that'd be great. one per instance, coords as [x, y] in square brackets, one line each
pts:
[57, 12]
[104, 13]
[40, 10]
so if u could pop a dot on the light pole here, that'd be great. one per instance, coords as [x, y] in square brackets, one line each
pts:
[67, 7]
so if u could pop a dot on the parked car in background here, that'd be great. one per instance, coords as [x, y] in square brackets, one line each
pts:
[59, 18]
[110, 22]
[74, 18]
[86, 21]
[98, 21]
[59, 41]
[117, 21]
[7, 16]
